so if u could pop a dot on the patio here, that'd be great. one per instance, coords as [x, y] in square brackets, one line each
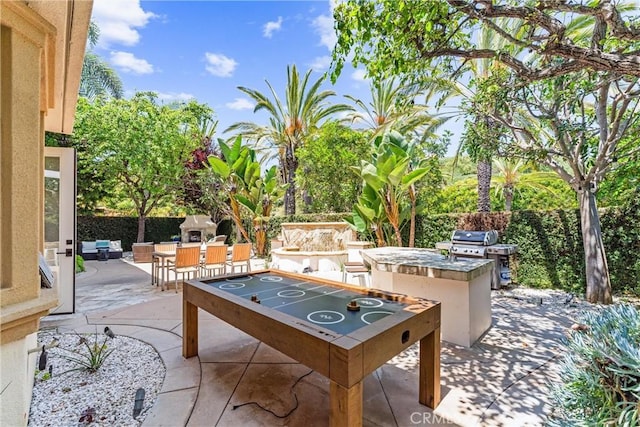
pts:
[491, 383]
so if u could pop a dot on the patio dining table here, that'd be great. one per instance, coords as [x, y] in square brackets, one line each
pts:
[162, 257]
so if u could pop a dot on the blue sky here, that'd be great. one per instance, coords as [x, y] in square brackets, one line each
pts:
[206, 49]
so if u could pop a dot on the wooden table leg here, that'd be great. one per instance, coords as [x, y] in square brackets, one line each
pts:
[346, 405]
[189, 329]
[429, 393]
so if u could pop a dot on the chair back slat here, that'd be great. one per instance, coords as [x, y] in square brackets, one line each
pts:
[187, 257]
[190, 244]
[241, 252]
[165, 247]
[216, 254]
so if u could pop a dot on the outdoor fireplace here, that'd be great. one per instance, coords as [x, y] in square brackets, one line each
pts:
[195, 228]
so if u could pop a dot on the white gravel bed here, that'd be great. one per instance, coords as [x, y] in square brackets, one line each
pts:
[103, 398]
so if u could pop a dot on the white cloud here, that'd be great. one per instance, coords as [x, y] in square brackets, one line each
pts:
[119, 20]
[220, 65]
[173, 96]
[128, 63]
[272, 26]
[240, 104]
[321, 63]
[323, 25]
[359, 75]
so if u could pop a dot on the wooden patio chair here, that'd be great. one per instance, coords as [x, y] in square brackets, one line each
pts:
[215, 258]
[155, 265]
[142, 252]
[240, 257]
[219, 238]
[187, 261]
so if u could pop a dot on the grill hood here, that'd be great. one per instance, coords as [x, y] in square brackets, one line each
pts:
[481, 238]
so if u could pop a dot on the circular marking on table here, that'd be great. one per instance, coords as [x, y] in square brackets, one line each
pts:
[271, 279]
[236, 279]
[377, 315]
[291, 293]
[232, 286]
[325, 317]
[369, 302]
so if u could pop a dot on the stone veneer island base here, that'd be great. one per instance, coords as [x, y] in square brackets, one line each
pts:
[462, 286]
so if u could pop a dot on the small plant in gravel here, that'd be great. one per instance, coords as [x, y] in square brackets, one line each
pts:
[79, 264]
[600, 372]
[42, 375]
[91, 354]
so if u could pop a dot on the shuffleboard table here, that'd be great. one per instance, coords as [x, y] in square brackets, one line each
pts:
[341, 331]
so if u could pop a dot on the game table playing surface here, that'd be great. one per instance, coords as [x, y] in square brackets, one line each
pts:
[341, 331]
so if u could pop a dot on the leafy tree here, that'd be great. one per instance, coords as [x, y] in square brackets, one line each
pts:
[623, 183]
[143, 144]
[97, 77]
[419, 38]
[579, 53]
[199, 191]
[327, 160]
[290, 124]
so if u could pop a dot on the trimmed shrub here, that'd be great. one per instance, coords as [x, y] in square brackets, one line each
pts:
[600, 373]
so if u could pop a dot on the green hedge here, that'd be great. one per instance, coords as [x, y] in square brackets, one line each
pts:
[109, 228]
[157, 229]
[549, 243]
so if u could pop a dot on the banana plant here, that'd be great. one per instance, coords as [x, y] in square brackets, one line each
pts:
[389, 179]
[368, 214]
[260, 192]
[249, 190]
[231, 171]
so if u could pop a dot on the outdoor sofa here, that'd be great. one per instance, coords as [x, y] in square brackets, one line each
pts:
[89, 249]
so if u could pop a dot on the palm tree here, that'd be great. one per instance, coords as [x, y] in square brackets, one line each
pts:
[98, 78]
[513, 175]
[393, 106]
[291, 123]
[482, 133]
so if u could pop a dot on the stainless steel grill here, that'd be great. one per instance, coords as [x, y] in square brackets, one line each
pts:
[482, 244]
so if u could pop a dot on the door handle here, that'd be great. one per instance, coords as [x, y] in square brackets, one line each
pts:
[67, 252]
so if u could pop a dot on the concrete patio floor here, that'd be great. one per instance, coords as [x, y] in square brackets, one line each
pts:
[500, 381]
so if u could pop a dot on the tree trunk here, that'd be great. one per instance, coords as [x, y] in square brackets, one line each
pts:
[597, 270]
[260, 228]
[380, 236]
[141, 222]
[237, 220]
[484, 185]
[290, 195]
[412, 224]
[508, 197]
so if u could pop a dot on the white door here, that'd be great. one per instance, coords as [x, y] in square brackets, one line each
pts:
[60, 223]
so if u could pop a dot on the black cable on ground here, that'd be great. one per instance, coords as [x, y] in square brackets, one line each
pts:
[295, 396]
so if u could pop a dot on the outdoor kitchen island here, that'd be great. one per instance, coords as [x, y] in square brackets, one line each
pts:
[462, 286]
